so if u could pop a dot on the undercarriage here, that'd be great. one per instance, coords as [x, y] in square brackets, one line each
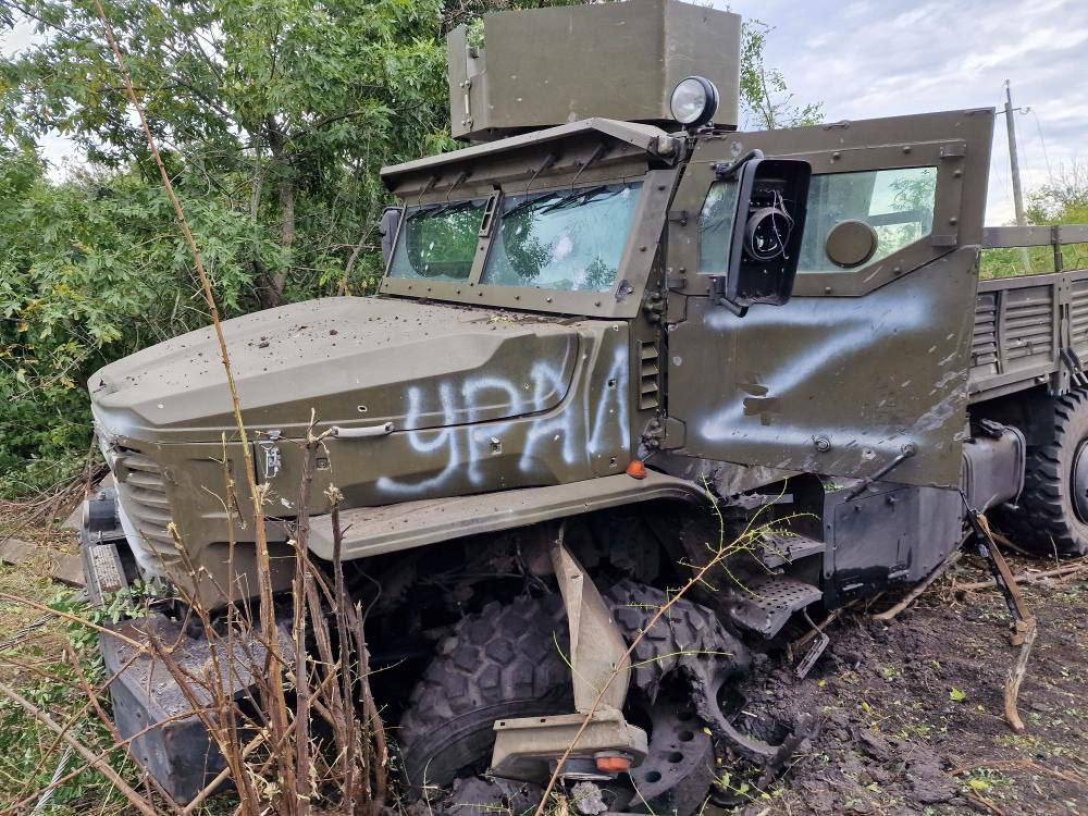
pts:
[603, 650]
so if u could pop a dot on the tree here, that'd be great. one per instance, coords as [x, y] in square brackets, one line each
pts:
[766, 101]
[287, 110]
[1063, 199]
[91, 270]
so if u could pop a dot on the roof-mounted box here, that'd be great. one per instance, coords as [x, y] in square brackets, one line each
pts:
[551, 66]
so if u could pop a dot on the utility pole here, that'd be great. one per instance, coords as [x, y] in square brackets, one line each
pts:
[1014, 160]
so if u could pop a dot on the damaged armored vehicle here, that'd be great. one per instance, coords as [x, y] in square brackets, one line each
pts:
[615, 336]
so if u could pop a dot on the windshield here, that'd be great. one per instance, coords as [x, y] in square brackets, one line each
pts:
[438, 242]
[568, 240]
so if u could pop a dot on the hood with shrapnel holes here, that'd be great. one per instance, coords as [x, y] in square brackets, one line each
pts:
[350, 360]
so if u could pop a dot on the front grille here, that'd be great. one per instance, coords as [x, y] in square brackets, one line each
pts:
[143, 496]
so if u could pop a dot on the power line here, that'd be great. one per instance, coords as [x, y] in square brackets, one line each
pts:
[1042, 141]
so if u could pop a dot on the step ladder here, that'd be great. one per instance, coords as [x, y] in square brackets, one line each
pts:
[764, 604]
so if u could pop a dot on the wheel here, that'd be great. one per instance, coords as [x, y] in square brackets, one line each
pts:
[502, 663]
[1053, 511]
[507, 662]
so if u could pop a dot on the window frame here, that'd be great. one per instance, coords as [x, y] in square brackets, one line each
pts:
[621, 300]
[486, 203]
[942, 239]
[831, 269]
[842, 148]
[496, 230]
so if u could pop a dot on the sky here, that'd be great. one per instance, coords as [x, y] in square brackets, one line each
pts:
[869, 58]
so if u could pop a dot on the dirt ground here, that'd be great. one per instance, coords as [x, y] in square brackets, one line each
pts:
[913, 710]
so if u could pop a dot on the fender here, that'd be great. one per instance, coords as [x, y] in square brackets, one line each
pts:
[369, 531]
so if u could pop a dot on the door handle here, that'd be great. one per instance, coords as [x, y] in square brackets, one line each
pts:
[384, 429]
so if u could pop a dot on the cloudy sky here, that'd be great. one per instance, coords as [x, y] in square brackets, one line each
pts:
[868, 58]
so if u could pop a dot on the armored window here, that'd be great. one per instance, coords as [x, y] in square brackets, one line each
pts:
[438, 242]
[567, 240]
[716, 227]
[896, 203]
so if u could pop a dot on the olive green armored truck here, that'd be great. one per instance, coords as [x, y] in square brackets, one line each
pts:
[614, 334]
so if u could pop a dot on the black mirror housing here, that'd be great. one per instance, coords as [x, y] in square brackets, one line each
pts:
[766, 242]
[387, 228]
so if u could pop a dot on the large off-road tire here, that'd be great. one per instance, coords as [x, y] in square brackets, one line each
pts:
[502, 663]
[687, 633]
[1053, 514]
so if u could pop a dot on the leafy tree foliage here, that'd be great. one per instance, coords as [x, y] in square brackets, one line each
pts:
[91, 270]
[1062, 200]
[282, 109]
[766, 101]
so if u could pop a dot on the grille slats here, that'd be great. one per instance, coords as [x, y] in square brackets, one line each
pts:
[984, 337]
[143, 494]
[649, 396]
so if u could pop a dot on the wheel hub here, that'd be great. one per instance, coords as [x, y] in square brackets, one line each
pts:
[1079, 479]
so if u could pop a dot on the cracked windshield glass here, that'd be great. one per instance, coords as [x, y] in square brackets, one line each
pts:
[438, 242]
[567, 240]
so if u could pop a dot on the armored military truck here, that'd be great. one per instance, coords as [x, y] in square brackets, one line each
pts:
[614, 337]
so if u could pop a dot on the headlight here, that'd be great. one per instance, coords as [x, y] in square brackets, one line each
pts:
[694, 101]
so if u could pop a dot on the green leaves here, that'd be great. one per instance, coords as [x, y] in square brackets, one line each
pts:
[766, 101]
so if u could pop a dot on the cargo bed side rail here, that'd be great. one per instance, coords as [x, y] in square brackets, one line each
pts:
[1055, 236]
[1031, 330]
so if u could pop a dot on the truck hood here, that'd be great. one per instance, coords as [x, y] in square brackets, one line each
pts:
[355, 362]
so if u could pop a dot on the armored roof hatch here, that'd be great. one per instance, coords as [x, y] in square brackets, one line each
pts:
[551, 66]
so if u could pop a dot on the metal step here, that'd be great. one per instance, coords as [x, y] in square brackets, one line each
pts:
[103, 571]
[765, 604]
[153, 710]
[782, 549]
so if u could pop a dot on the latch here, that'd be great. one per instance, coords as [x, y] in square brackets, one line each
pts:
[271, 457]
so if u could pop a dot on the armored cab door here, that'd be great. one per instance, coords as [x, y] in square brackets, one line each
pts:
[868, 363]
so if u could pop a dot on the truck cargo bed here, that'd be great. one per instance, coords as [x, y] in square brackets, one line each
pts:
[1030, 330]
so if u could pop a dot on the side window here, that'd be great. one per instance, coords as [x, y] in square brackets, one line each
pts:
[898, 204]
[716, 227]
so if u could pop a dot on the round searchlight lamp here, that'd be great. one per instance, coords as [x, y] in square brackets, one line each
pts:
[694, 101]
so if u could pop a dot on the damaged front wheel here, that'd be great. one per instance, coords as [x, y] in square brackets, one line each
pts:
[502, 663]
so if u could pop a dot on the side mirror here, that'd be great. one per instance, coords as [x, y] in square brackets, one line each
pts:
[387, 228]
[765, 246]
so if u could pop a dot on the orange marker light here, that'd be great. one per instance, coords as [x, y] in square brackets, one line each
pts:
[637, 469]
[613, 763]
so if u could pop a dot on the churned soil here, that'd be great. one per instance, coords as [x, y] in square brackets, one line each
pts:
[913, 716]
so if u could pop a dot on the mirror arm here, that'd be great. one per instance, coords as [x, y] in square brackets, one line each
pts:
[726, 172]
[721, 300]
